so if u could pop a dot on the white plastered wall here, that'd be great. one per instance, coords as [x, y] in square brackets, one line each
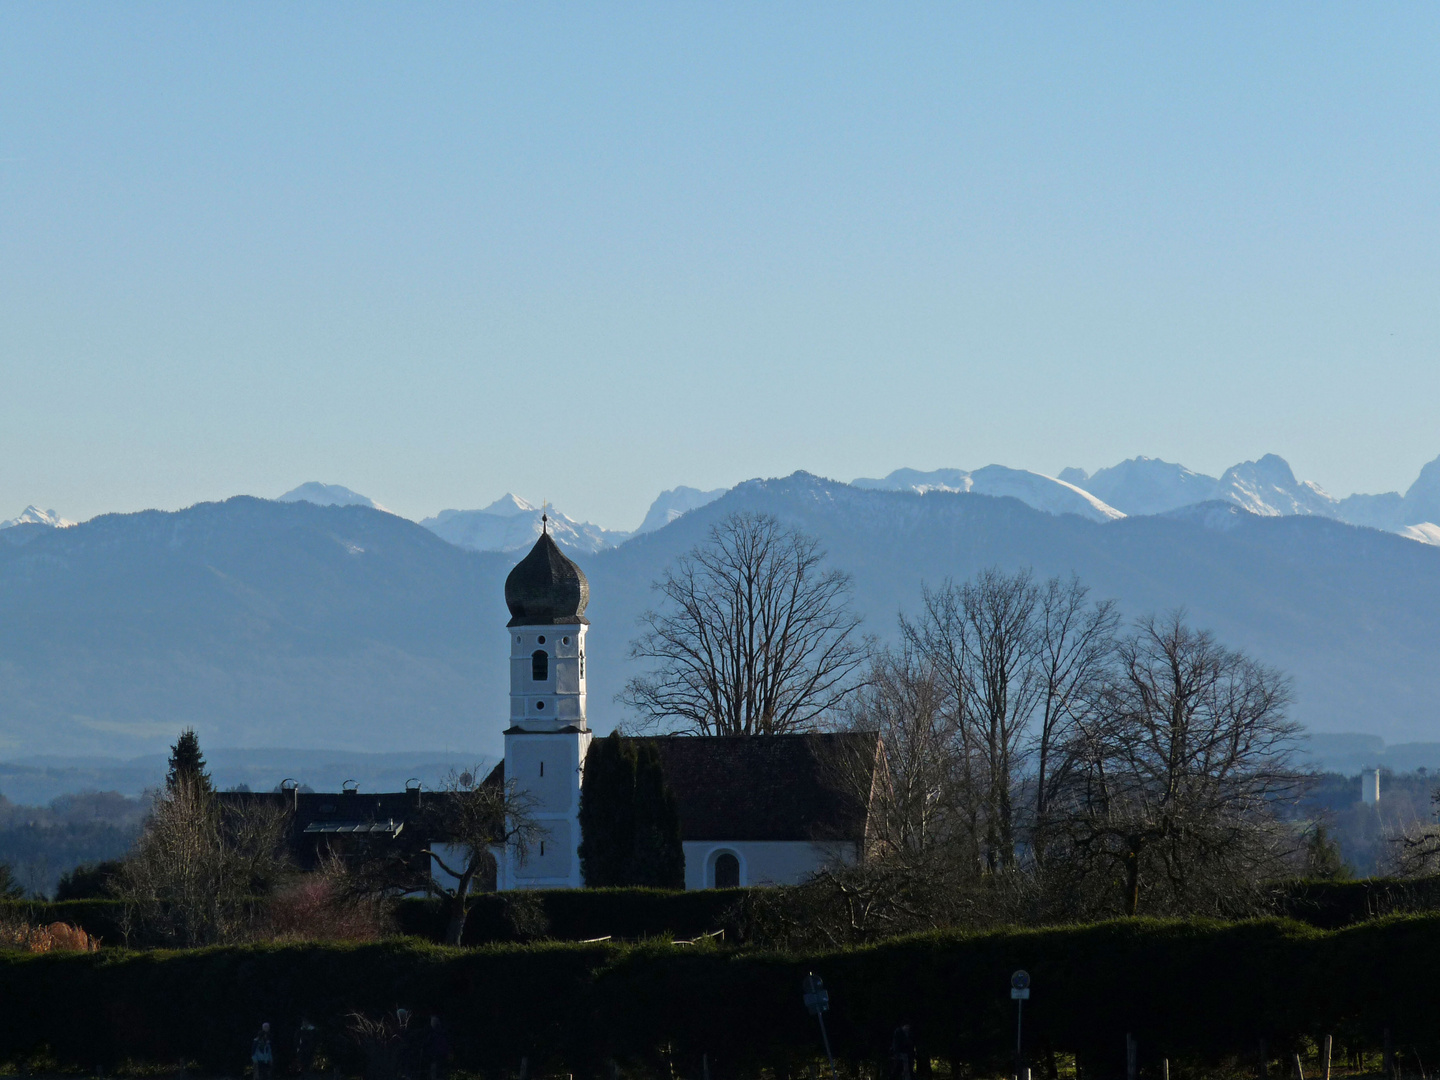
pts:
[762, 862]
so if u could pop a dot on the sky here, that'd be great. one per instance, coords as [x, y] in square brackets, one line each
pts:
[588, 252]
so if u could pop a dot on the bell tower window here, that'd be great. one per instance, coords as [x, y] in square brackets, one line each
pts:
[539, 665]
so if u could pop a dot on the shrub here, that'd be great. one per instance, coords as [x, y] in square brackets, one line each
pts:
[57, 937]
[317, 907]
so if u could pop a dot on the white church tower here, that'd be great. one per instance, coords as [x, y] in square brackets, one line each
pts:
[547, 738]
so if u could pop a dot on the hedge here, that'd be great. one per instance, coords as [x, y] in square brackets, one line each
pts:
[1193, 991]
[637, 914]
[1332, 904]
[580, 915]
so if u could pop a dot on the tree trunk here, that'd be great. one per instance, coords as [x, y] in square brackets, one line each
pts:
[1132, 882]
[455, 925]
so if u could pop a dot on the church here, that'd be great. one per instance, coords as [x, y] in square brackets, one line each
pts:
[753, 810]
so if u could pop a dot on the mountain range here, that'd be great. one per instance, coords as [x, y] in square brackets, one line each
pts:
[1138, 486]
[268, 623]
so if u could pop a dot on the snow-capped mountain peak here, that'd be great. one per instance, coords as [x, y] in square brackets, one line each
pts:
[676, 502]
[1422, 498]
[1268, 487]
[508, 505]
[329, 495]
[33, 515]
[1034, 489]
[1144, 485]
[511, 523]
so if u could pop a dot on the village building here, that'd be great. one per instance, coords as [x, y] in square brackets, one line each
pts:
[753, 810]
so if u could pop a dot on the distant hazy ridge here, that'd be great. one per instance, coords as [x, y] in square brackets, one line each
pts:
[274, 624]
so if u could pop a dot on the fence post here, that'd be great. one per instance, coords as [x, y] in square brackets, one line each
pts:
[1325, 1058]
[1131, 1054]
[1388, 1065]
[1299, 1069]
[1164, 1069]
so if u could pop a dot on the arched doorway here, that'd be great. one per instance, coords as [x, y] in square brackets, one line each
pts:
[727, 871]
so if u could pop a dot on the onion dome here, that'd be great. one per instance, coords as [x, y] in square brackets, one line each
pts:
[546, 588]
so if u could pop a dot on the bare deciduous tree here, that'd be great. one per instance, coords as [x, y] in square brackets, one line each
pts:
[982, 638]
[756, 636]
[921, 801]
[476, 817]
[1075, 643]
[193, 876]
[1176, 789]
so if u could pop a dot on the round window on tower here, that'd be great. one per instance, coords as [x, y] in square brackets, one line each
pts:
[539, 706]
[564, 641]
[540, 640]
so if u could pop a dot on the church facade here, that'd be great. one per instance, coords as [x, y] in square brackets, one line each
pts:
[753, 809]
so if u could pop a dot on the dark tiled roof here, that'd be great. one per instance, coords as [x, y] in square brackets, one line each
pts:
[767, 787]
[337, 808]
[546, 587]
[770, 787]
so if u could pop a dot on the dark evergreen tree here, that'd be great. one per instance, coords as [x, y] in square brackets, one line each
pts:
[10, 889]
[1323, 860]
[607, 812]
[629, 823]
[657, 858]
[186, 762]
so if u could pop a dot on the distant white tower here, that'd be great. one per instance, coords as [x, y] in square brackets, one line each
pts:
[546, 741]
[1370, 787]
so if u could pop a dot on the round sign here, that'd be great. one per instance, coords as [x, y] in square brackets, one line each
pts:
[1020, 980]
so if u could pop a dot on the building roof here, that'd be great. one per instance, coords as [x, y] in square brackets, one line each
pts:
[771, 787]
[808, 787]
[546, 587]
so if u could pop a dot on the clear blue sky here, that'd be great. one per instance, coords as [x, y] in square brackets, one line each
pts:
[587, 252]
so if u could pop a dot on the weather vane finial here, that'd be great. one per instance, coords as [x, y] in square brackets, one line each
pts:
[545, 516]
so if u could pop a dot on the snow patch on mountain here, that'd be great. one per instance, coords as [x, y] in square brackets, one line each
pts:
[1041, 492]
[675, 503]
[33, 515]
[1427, 532]
[329, 495]
[511, 523]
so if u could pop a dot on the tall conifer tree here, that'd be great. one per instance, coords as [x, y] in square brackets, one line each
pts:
[607, 821]
[657, 858]
[188, 763]
[629, 824]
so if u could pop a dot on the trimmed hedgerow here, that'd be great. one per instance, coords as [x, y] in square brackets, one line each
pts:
[1191, 991]
[580, 915]
[1332, 904]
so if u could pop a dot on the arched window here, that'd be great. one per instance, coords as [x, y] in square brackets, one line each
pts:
[539, 665]
[727, 871]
